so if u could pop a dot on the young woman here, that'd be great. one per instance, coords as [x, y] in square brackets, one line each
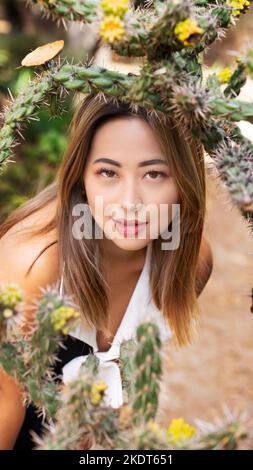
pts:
[130, 159]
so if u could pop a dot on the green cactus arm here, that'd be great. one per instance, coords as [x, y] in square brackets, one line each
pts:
[23, 108]
[236, 81]
[93, 79]
[12, 359]
[147, 367]
[235, 166]
[81, 412]
[239, 76]
[67, 77]
[72, 10]
[225, 433]
[127, 351]
[30, 359]
[233, 110]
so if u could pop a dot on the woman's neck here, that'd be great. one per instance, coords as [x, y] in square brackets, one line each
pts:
[111, 253]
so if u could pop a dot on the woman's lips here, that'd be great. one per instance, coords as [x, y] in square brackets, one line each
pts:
[132, 227]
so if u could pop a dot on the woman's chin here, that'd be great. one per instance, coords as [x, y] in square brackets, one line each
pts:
[128, 243]
[131, 245]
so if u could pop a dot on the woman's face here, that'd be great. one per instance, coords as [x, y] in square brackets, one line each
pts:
[127, 179]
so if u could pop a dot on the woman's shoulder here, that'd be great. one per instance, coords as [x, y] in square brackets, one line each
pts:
[35, 220]
[18, 252]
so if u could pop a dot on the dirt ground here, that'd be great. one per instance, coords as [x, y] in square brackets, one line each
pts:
[218, 367]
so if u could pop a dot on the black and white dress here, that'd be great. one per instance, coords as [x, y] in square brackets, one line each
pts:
[82, 341]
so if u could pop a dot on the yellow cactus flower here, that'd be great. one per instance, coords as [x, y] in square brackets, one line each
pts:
[224, 75]
[112, 28]
[96, 398]
[185, 29]
[7, 313]
[10, 295]
[179, 431]
[97, 391]
[99, 386]
[238, 6]
[115, 7]
[63, 318]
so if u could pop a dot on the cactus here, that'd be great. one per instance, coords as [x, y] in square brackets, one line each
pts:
[78, 407]
[72, 10]
[80, 416]
[84, 79]
[234, 163]
[29, 357]
[77, 415]
[225, 433]
[11, 297]
[147, 373]
[21, 110]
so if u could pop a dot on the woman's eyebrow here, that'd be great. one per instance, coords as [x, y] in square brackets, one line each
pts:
[154, 161]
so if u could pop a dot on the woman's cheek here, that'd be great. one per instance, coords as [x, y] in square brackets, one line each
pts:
[100, 209]
[162, 210]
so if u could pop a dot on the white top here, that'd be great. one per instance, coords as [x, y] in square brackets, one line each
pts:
[140, 308]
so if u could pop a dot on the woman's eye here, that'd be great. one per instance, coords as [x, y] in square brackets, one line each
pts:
[109, 173]
[154, 174]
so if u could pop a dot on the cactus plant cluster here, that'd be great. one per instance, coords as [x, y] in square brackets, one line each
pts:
[78, 407]
[29, 356]
[77, 414]
[10, 300]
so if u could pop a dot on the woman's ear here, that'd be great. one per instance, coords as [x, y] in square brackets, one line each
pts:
[205, 265]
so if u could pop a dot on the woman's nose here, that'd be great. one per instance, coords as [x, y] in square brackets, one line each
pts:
[131, 197]
[131, 205]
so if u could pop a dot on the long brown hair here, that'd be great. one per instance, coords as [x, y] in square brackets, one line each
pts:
[173, 274]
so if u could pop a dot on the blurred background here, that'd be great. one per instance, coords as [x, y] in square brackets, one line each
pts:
[217, 368]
